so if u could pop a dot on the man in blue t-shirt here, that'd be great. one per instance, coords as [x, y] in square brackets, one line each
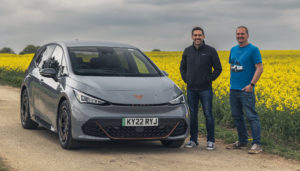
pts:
[246, 68]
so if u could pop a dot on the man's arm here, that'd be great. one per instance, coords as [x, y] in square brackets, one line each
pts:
[216, 65]
[183, 67]
[259, 70]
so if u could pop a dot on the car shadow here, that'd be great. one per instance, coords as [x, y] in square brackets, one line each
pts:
[112, 147]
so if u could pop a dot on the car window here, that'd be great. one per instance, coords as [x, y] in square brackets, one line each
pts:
[45, 55]
[58, 54]
[56, 61]
[140, 65]
[37, 55]
[64, 68]
[123, 60]
[111, 61]
[57, 58]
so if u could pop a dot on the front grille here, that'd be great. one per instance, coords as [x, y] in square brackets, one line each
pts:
[141, 105]
[138, 132]
[91, 128]
[180, 129]
[112, 128]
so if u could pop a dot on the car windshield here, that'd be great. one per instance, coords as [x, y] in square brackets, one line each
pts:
[111, 61]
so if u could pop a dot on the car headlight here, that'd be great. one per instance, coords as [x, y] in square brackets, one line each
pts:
[84, 98]
[178, 100]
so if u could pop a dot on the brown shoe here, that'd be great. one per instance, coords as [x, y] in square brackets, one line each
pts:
[236, 145]
[255, 149]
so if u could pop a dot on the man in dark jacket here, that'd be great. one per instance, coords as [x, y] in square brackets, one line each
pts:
[196, 70]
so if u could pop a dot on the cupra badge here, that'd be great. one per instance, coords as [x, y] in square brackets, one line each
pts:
[138, 96]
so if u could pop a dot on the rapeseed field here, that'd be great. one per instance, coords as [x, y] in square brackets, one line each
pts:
[15, 62]
[278, 89]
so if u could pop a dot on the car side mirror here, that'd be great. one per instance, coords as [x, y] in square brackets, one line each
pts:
[48, 72]
[165, 73]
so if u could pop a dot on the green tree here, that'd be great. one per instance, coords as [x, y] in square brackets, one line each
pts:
[7, 50]
[156, 50]
[29, 49]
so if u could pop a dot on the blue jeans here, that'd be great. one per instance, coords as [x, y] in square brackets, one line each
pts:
[240, 100]
[205, 97]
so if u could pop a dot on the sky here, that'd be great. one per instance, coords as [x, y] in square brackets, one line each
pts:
[150, 24]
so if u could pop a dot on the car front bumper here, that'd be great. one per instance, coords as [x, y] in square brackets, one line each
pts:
[101, 123]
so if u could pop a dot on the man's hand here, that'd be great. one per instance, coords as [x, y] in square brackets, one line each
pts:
[248, 88]
[257, 74]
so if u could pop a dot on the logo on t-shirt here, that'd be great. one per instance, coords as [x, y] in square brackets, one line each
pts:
[236, 67]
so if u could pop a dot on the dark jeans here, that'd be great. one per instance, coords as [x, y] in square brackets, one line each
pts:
[205, 97]
[240, 100]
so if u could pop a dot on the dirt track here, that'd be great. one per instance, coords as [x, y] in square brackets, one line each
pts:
[39, 150]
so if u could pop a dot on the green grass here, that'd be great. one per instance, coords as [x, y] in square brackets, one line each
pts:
[280, 139]
[2, 166]
[11, 77]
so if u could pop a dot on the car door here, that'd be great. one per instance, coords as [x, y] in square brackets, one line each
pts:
[52, 87]
[35, 86]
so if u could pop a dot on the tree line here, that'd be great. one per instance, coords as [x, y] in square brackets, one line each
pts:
[32, 49]
[26, 50]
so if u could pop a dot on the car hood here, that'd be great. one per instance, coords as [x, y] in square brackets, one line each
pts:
[128, 90]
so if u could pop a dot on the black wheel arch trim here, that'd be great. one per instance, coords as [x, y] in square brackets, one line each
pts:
[62, 98]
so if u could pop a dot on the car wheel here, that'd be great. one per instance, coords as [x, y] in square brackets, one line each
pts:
[26, 122]
[64, 127]
[172, 143]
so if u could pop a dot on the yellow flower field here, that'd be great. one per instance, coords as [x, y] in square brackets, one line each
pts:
[15, 62]
[277, 89]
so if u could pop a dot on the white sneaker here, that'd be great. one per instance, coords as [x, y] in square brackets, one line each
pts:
[255, 149]
[210, 145]
[190, 144]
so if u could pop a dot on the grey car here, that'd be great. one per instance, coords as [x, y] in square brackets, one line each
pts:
[99, 91]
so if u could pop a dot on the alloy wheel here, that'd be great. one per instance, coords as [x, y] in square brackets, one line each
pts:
[24, 108]
[63, 125]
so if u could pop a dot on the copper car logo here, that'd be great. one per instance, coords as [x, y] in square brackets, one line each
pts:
[138, 96]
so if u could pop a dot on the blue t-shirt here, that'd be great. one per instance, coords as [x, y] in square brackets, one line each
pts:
[242, 61]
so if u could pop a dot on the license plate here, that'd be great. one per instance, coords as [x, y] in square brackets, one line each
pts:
[139, 121]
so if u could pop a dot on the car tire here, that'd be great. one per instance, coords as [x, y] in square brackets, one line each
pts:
[25, 117]
[172, 143]
[64, 127]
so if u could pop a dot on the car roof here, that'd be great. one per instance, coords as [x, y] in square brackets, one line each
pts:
[77, 43]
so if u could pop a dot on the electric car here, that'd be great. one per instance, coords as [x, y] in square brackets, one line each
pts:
[100, 91]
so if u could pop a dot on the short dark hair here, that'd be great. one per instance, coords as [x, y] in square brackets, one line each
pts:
[244, 27]
[198, 28]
